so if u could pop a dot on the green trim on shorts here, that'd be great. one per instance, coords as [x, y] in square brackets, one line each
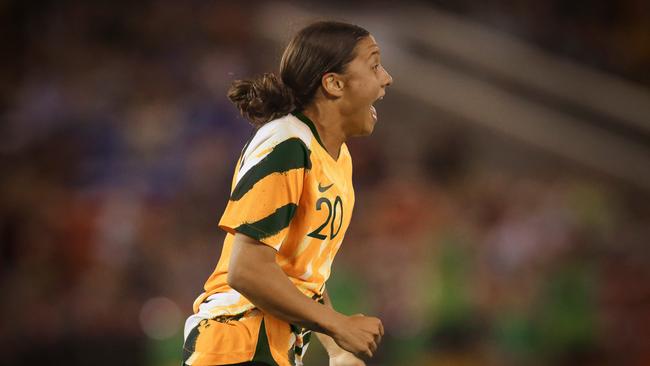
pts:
[263, 350]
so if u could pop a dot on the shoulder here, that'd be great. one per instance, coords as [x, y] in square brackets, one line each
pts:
[279, 145]
[287, 130]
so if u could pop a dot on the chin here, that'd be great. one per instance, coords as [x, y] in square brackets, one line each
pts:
[367, 129]
[370, 129]
[364, 126]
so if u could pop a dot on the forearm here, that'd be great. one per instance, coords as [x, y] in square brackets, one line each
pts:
[269, 288]
[328, 343]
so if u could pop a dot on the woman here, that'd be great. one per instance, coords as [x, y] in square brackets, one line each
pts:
[290, 207]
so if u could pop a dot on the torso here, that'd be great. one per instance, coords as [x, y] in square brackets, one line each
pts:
[320, 217]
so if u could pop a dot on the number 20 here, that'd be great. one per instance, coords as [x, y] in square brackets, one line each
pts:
[331, 215]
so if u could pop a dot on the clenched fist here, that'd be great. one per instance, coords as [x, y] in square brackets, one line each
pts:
[359, 335]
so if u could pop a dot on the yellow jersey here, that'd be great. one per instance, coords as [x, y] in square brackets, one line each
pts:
[289, 193]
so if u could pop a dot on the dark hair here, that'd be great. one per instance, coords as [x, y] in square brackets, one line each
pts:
[317, 49]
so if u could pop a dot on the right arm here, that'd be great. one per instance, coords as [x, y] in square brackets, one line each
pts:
[254, 273]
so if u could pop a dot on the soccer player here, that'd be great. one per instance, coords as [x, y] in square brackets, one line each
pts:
[290, 205]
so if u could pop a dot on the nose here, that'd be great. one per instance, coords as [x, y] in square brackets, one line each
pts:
[388, 80]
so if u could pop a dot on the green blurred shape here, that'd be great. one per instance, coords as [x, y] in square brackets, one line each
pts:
[516, 334]
[167, 352]
[349, 293]
[453, 266]
[595, 209]
[567, 317]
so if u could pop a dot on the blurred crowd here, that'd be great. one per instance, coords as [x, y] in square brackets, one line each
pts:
[117, 149]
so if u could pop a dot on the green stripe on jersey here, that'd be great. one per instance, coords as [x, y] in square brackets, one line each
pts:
[289, 154]
[270, 225]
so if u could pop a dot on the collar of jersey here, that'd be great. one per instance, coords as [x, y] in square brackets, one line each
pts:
[309, 124]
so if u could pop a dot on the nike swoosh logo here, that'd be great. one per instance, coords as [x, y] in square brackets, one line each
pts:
[323, 189]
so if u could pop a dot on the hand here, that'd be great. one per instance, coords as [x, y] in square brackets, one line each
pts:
[345, 358]
[358, 334]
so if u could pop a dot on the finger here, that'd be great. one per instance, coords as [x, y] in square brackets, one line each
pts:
[368, 353]
[377, 339]
[373, 347]
[381, 328]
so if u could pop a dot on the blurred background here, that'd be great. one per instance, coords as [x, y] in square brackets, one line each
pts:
[503, 211]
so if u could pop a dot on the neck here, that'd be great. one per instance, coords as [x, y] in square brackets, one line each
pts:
[328, 122]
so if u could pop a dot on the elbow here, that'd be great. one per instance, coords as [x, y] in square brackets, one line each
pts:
[237, 278]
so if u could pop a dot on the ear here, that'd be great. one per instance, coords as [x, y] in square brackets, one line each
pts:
[332, 84]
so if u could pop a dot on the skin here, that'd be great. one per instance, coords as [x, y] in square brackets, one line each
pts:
[339, 356]
[341, 109]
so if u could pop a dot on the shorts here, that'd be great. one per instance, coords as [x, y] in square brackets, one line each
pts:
[237, 339]
[253, 336]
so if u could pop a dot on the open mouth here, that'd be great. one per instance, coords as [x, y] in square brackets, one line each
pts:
[373, 110]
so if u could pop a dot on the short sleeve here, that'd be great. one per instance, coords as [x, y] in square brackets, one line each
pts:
[266, 190]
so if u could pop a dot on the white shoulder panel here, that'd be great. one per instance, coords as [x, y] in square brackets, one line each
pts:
[271, 134]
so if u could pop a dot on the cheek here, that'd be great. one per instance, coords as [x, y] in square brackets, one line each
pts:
[365, 92]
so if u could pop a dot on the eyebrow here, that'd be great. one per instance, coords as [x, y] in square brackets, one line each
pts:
[375, 52]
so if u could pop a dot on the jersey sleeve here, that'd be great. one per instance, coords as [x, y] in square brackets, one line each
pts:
[266, 190]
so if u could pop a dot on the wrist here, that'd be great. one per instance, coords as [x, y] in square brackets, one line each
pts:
[331, 322]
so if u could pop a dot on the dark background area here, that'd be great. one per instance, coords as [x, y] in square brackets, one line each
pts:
[117, 146]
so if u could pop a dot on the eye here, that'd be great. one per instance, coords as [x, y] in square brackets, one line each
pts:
[375, 67]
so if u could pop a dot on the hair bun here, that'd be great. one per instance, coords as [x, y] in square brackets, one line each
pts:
[262, 99]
